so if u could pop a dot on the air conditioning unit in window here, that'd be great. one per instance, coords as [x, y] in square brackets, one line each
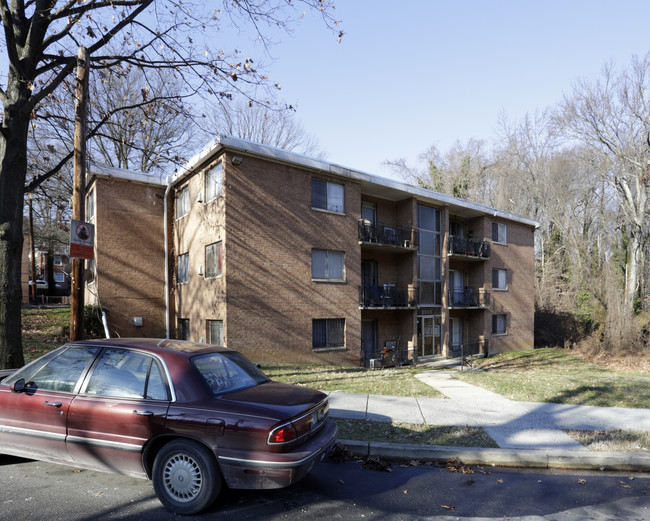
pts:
[199, 198]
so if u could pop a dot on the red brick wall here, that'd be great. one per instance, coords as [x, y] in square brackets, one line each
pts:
[266, 296]
[129, 256]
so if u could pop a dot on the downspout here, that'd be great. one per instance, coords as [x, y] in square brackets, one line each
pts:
[167, 325]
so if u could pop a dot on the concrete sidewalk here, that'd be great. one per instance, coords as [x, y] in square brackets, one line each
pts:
[528, 430]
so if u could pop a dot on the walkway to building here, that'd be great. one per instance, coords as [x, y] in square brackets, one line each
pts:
[512, 424]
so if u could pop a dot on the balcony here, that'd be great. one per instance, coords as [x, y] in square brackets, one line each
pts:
[382, 234]
[469, 298]
[468, 248]
[388, 296]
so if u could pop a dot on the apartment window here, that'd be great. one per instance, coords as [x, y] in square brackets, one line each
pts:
[500, 279]
[328, 333]
[429, 256]
[58, 261]
[58, 276]
[213, 260]
[499, 233]
[183, 268]
[213, 182]
[499, 324]
[182, 202]
[183, 328]
[90, 205]
[215, 332]
[327, 196]
[327, 265]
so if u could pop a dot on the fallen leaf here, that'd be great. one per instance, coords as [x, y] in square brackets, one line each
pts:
[582, 482]
[449, 507]
[499, 481]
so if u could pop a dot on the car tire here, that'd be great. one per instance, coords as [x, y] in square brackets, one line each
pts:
[186, 478]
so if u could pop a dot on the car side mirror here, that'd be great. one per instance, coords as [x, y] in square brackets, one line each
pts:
[19, 386]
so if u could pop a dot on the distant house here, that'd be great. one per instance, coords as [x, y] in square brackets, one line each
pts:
[284, 257]
[51, 277]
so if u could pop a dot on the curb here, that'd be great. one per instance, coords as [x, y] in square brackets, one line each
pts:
[525, 458]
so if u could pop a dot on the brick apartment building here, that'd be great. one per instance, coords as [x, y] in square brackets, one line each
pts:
[288, 258]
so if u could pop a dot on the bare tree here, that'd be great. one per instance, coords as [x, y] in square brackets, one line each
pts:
[41, 40]
[612, 117]
[263, 124]
[146, 137]
[462, 171]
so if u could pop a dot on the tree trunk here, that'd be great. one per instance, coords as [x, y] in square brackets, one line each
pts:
[13, 168]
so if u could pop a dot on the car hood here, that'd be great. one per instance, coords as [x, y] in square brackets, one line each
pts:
[276, 399]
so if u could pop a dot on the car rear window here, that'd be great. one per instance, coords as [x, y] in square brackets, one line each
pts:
[228, 371]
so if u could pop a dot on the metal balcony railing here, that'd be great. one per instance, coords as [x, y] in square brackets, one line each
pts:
[387, 296]
[469, 297]
[466, 247]
[472, 349]
[387, 234]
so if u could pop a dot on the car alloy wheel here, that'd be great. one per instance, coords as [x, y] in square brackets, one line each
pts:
[185, 477]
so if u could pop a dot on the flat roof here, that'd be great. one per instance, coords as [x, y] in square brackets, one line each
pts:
[372, 185]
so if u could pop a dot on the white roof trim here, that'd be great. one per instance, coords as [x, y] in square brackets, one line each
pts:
[127, 175]
[268, 152]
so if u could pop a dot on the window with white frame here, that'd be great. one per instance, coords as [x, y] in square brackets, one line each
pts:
[499, 233]
[499, 324]
[326, 195]
[328, 265]
[328, 333]
[213, 260]
[182, 202]
[215, 332]
[58, 276]
[183, 268]
[500, 279]
[213, 182]
[58, 261]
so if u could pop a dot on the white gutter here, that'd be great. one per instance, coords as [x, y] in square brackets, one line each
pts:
[167, 325]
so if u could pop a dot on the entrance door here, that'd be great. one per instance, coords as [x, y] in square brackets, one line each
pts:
[368, 340]
[456, 336]
[455, 287]
[429, 336]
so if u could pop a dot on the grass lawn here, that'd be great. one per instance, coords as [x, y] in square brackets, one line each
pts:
[44, 330]
[391, 382]
[417, 434]
[613, 441]
[556, 376]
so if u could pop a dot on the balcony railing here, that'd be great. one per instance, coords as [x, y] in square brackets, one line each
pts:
[469, 297]
[472, 248]
[472, 349]
[387, 296]
[387, 235]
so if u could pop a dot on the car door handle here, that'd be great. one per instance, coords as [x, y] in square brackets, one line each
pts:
[143, 413]
[53, 404]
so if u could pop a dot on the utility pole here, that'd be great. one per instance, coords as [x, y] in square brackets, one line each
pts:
[78, 193]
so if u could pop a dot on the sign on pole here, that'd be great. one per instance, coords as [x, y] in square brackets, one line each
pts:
[82, 239]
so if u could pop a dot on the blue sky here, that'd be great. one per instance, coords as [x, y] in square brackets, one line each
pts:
[410, 74]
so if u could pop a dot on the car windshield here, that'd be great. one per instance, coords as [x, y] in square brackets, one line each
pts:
[227, 371]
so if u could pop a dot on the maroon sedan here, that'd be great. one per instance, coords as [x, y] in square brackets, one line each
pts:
[188, 416]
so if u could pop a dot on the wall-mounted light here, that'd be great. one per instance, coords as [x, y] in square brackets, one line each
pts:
[236, 160]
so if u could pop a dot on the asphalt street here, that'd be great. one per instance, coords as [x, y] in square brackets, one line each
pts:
[346, 491]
